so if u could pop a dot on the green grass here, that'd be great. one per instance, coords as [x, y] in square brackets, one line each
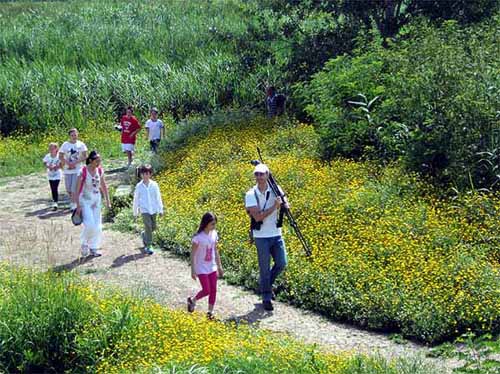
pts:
[68, 62]
[57, 323]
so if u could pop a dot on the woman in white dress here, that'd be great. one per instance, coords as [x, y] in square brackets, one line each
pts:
[88, 199]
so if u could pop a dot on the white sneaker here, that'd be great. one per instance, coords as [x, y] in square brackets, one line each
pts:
[85, 250]
[54, 206]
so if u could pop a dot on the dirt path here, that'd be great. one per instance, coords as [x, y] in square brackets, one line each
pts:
[32, 235]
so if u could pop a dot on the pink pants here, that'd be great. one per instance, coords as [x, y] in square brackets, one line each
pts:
[208, 287]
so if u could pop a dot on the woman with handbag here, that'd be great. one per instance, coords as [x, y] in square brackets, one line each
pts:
[88, 199]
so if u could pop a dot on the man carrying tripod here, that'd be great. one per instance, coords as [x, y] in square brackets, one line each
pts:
[263, 206]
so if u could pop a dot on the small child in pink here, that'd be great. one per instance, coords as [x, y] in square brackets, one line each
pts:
[205, 263]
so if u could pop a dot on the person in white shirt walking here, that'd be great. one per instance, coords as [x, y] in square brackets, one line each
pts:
[53, 164]
[71, 154]
[263, 206]
[155, 130]
[147, 202]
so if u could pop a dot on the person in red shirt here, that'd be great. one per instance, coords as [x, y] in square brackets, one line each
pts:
[129, 126]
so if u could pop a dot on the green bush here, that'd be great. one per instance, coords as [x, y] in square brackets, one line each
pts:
[41, 316]
[436, 111]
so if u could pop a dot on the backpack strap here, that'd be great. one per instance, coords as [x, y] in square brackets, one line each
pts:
[84, 176]
[257, 198]
[82, 181]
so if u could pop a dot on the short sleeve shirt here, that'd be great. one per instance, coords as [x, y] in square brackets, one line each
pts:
[265, 201]
[73, 152]
[204, 259]
[129, 125]
[52, 161]
[154, 128]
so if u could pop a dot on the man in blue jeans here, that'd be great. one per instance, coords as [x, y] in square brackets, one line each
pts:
[263, 206]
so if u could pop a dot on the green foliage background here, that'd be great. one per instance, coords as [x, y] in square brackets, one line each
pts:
[438, 103]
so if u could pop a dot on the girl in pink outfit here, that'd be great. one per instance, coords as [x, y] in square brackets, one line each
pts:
[205, 263]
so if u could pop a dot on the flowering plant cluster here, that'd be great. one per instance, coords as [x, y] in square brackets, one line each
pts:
[58, 323]
[387, 253]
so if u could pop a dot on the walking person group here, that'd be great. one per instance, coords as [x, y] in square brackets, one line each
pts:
[129, 127]
[86, 186]
[263, 206]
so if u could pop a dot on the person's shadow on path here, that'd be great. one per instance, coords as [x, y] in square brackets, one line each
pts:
[122, 260]
[72, 265]
[252, 317]
[46, 213]
[117, 170]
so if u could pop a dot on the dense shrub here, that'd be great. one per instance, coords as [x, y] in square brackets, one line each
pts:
[386, 253]
[40, 319]
[437, 106]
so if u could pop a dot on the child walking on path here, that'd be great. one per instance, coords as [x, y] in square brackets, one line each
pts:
[129, 126]
[53, 164]
[155, 130]
[147, 201]
[72, 153]
[205, 263]
[90, 184]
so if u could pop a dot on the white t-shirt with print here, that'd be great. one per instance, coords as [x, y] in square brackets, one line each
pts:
[268, 228]
[204, 258]
[73, 152]
[91, 192]
[154, 128]
[52, 175]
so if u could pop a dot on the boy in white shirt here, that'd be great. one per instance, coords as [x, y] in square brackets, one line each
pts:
[155, 130]
[71, 154]
[147, 201]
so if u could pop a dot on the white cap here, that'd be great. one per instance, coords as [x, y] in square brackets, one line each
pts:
[261, 168]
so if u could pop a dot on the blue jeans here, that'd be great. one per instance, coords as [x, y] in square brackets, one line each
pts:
[266, 248]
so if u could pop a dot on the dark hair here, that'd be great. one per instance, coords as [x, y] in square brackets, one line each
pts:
[146, 168]
[91, 157]
[131, 108]
[205, 220]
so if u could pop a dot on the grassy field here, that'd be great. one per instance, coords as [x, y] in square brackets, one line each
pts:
[87, 60]
[387, 253]
[80, 63]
